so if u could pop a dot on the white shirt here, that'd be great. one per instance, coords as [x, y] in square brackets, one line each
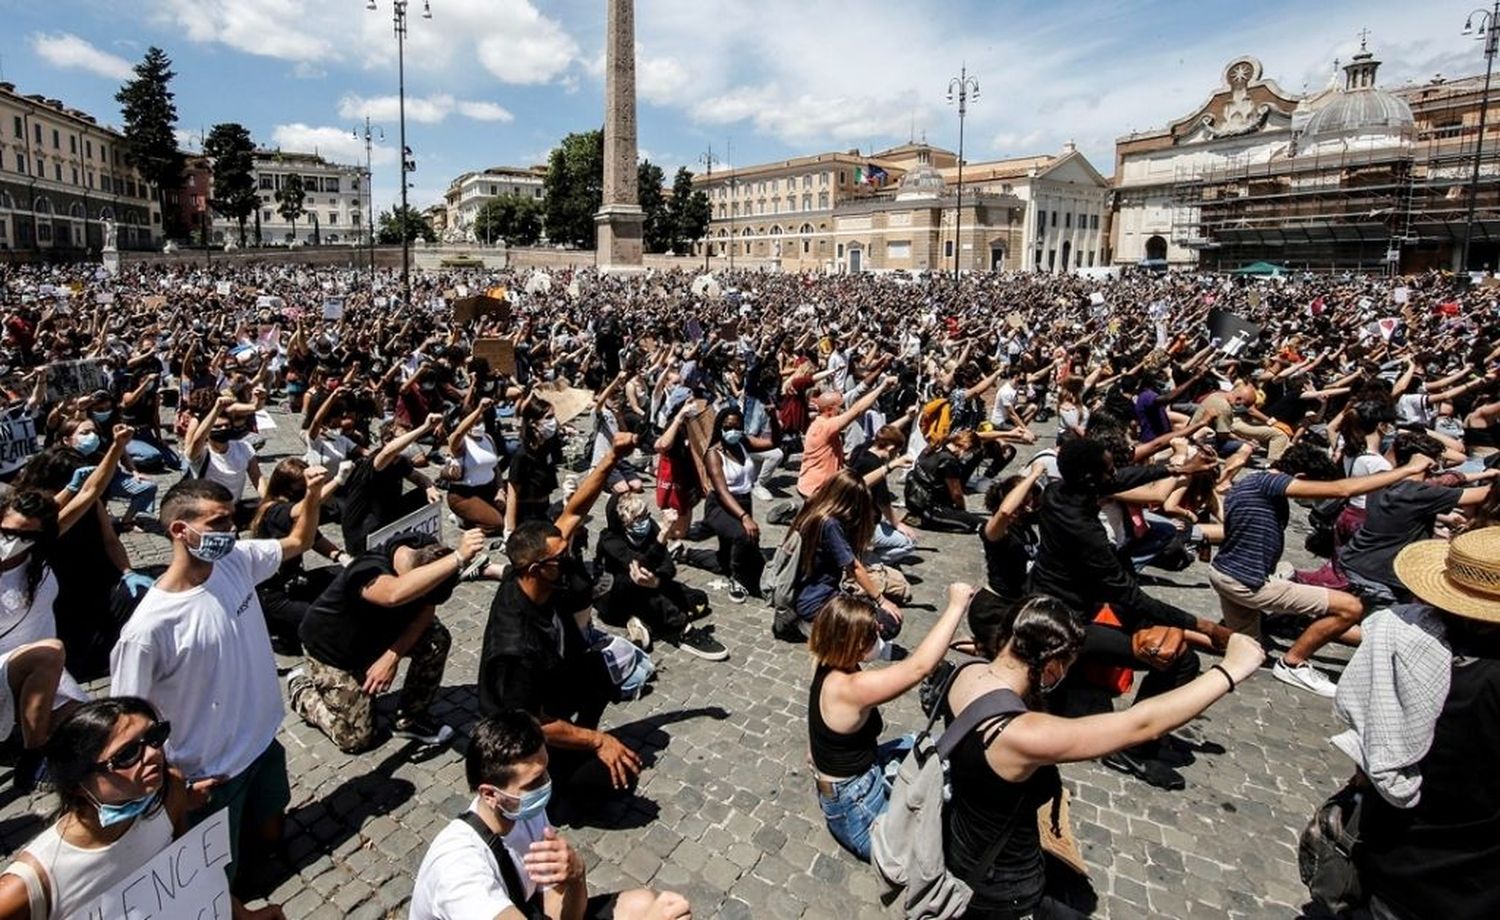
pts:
[1413, 409]
[1366, 464]
[231, 468]
[22, 624]
[329, 449]
[459, 878]
[480, 458]
[203, 658]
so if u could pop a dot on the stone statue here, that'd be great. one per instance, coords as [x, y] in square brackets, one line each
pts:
[776, 248]
[109, 234]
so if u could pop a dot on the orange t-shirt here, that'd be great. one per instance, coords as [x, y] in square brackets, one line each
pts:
[822, 455]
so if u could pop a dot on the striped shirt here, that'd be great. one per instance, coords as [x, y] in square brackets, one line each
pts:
[1255, 518]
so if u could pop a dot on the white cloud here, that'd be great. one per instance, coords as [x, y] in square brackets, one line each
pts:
[284, 29]
[336, 144]
[428, 110]
[485, 111]
[64, 49]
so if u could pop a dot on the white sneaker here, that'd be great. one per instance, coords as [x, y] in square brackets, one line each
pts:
[737, 592]
[1305, 677]
[761, 493]
[637, 632]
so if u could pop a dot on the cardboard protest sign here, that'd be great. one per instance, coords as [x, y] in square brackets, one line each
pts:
[1231, 333]
[223, 288]
[567, 404]
[17, 441]
[333, 308]
[1253, 298]
[154, 302]
[500, 353]
[66, 379]
[428, 520]
[700, 428]
[185, 879]
[467, 309]
[1014, 319]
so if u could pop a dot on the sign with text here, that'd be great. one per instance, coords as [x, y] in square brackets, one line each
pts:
[428, 520]
[333, 308]
[468, 309]
[1230, 333]
[74, 378]
[223, 288]
[186, 879]
[17, 441]
[567, 404]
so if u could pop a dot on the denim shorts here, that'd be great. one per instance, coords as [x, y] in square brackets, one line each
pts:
[856, 802]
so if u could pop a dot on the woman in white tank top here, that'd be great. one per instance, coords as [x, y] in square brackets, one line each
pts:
[120, 805]
[475, 495]
[728, 513]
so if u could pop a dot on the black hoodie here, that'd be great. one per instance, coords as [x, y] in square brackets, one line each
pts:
[617, 550]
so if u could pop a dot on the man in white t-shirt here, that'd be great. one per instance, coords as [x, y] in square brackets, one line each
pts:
[462, 877]
[197, 648]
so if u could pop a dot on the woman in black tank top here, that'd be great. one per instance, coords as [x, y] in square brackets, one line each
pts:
[1006, 769]
[843, 715]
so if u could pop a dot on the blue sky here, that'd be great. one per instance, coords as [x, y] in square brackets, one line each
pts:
[498, 82]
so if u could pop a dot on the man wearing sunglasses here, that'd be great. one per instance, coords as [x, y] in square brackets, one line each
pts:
[534, 657]
[197, 647]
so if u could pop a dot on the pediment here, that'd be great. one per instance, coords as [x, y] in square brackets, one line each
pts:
[1245, 103]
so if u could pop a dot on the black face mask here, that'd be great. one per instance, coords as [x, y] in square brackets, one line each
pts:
[221, 435]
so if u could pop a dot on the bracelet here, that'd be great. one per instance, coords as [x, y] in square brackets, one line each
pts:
[1222, 670]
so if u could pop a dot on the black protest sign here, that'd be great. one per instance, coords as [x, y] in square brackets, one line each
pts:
[1230, 333]
[73, 378]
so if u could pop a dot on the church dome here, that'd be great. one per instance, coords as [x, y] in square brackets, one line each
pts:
[1360, 109]
[922, 181]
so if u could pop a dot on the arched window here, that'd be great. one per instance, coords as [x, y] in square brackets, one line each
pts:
[776, 230]
[6, 201]
[41, 206]
[805, 229]
[106, 213]
[76, 212]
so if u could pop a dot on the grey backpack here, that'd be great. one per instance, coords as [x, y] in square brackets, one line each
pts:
[906, 843]
[778, 583]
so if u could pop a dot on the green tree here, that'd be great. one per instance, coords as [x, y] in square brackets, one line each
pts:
[398, 221]
[657, 232]
[289, 200]
[688, 212]
[516, 219]
[150, 117]
[575, 188]
[233, 154]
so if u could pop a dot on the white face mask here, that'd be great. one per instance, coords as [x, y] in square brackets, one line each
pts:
[12, 546]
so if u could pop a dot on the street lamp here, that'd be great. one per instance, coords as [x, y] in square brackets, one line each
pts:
[1487, 24]
[708, 162]
[370, 192]
[398, 16]
[962, 89]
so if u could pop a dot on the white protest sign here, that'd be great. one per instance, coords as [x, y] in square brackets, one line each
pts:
[17, 441]
[223, 288]
[263, 421]
[186, 879]
[104, 297]
[1096, 298]
[1387, 326]
[1400, 295]
[428, 520]
[333, 308]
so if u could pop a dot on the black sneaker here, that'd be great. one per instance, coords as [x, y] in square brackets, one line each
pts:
[423, 729]
[1154, 772]
[475, 569]
[695, 641]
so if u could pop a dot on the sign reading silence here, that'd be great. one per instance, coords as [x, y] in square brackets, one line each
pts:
[184, 880]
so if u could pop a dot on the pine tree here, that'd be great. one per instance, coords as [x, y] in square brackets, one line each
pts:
[688, 212]
[289, 200]
[233, 154]
[150, 117]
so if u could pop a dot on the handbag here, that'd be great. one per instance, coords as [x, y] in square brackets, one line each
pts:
[1158, 646]
[1325, 852]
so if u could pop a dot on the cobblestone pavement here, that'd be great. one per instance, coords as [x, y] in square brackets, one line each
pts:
[725, 812]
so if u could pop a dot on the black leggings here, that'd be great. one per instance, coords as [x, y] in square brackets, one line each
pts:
[738, 555]
[946, 517]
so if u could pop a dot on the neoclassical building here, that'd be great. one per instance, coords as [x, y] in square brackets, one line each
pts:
[1351, 177]
[62, 176]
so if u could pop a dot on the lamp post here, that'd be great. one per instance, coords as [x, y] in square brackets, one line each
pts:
[708, 162]
[962, 89]
[1487, 24]
[398, 16]
[370, 192]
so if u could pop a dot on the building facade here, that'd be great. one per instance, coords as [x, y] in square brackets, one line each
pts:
[469, 193]
[1351, 177]
[334, 203]
[62, 177]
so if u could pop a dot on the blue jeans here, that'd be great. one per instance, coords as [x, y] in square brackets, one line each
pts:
[152, 456]
[856, 802]
[140, 493]
[889, 546]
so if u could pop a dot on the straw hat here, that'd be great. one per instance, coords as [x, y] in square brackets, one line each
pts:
[1461, 577]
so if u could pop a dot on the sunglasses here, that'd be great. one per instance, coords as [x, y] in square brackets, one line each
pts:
[131, 754]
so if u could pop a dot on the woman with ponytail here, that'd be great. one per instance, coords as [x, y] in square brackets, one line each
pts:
[1006, 769]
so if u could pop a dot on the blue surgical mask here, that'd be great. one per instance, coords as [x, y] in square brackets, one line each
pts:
[86, 443]
[529, 803]
[732, 436]
[547, 427]
[640, 529]
[124, 811]
[102, 417]
[213, 545]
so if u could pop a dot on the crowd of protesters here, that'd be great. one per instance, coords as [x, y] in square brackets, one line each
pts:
[888, 409]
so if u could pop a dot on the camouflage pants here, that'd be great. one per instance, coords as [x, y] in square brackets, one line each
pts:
[333, 700]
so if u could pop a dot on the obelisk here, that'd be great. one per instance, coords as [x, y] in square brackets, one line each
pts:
[620, 219]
